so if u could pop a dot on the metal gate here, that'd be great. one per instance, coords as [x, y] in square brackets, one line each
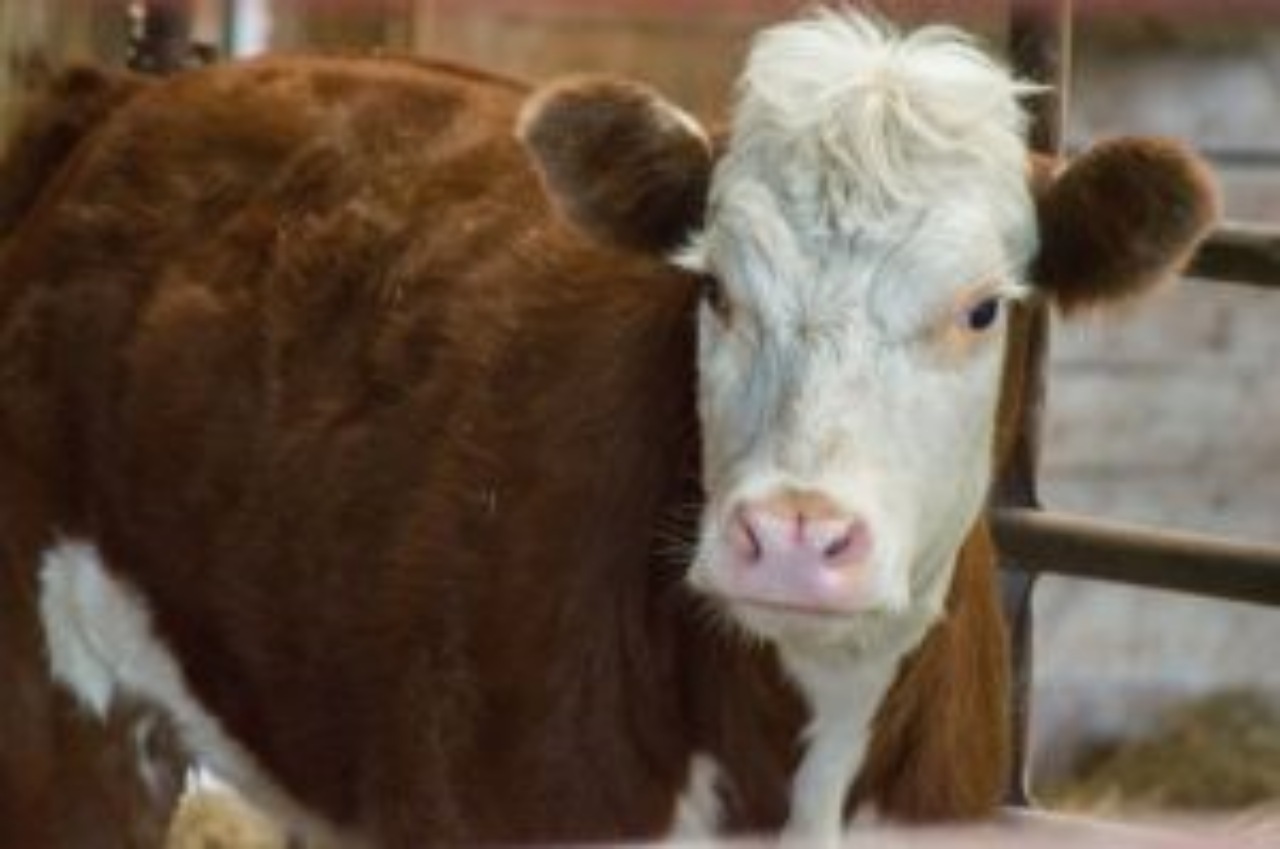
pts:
[1033, 540]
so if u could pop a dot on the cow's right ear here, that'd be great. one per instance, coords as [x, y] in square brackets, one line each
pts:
[620, 161]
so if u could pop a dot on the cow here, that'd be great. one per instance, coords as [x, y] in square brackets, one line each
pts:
[450, 460]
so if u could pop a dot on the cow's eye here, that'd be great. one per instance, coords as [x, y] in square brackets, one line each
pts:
[714, 297]
[983, 314]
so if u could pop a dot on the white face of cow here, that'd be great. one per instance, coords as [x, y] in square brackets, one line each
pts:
[860, 235]
[866, 225]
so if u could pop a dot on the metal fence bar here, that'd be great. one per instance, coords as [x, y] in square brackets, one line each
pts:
[1062, 544]
[1260, 158]
[1039, 49]
[1240, 253]
[1241, 157]
[161, 41]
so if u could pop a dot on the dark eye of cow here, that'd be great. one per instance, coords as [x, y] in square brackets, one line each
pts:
[713, 296]
[983, 314]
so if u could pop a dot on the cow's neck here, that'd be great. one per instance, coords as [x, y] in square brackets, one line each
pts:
[843, 686]
[843, 699]
[785, 731]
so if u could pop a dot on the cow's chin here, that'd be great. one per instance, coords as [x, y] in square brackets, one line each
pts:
[853, 620]
[800, 629]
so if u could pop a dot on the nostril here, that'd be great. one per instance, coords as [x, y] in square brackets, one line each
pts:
[743, 538]
[838, 546]
[849, 546]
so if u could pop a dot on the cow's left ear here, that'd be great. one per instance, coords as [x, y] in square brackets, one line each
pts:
[620, 161]
[1119, 219]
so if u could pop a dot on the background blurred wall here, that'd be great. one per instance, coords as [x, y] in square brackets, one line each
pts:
[34, 31]
[1170, 416]
[688, 48]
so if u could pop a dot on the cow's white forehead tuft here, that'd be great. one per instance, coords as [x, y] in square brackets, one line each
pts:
[850, 123]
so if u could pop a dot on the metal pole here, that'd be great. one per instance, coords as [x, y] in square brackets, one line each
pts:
[161, 37]
[1091, 548]
[1040, 50]
[1240, 253]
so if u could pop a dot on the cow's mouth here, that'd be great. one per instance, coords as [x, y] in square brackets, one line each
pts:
[799, 627]
[789, 608]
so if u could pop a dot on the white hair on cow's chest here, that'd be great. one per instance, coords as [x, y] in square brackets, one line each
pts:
[699, 809]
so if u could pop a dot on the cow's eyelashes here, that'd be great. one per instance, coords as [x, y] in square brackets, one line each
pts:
[714, 296]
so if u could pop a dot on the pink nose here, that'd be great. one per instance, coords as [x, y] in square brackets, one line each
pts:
[797, 549]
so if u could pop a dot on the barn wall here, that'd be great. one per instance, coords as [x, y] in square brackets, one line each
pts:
[1170, 416]
[54, 32]
[688, 48]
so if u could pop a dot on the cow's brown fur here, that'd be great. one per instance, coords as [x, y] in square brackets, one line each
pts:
[639, 188]
[63, 110]
[360, 308]
[955, 686]
[404, 468]
[1125, 216]
[67, 779]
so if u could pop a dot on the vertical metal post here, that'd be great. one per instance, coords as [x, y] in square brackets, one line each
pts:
[1040, 50]
[161, 37]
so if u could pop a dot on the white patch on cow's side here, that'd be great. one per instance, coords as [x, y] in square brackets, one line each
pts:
[699, 811]
[101, 645]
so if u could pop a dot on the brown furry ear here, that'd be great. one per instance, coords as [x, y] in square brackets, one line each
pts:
[1120, 219]
[620, 161]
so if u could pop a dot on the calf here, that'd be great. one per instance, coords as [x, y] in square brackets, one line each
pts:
[454, 462]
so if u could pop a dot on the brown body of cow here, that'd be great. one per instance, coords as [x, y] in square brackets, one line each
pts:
[67, 779]
[403, 468]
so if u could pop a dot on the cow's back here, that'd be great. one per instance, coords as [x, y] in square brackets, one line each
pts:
[299, 348]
